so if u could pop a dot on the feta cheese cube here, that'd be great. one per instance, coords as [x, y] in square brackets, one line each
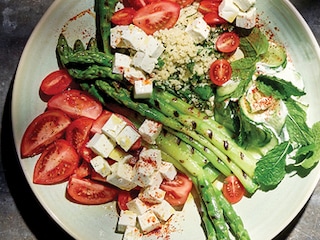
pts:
[137, 206]
[127, 137]
[244, 5]
[117, 154]
[127, 218]
[228, 10]
[121, 176]
[150, 130]
[113, 126]
[148, 222]
[121, 63]
[116, 36]
[152, 195]
[132, 75]
[199, 30]
[144, 62]
[152, 157]
[143, 173]
[101, 166]
[163, 210]
[101, 145]
[246, 19]
[143, 89]
[156, 179]
[153, 47]
[132, 233]
[133, 37]
[168, 170]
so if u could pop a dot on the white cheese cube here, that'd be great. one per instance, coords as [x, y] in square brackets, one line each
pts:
[101, 145]
[153, 47]
[116, 36]
[132, 233]
[127, 137]
[126, 218]
[133, 37]
[199, 30]
[228, 10]
[148, 222]
[117, 154]
[132, 75]
[143, 89]
[118, 6]
[152, 157]
[144, 62]
[113, 126]
[163, 210]
[156, 179]
[150, 130]
[137, 206]
[168, 170]
[121, 63]
[247, 19]
[143, 173]
[101, 166]
[121, 176]
[152, 195]
[244, 5]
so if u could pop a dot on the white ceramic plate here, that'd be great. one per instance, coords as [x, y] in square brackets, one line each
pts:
[264, 215]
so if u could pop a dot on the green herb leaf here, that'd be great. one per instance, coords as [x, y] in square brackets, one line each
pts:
[271, 168]
[255, 44]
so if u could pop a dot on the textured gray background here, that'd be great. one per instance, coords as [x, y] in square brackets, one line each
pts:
[21, 217]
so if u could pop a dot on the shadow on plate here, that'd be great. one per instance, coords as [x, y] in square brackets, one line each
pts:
[37, 219]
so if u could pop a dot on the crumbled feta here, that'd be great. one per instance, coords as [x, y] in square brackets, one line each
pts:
[101, 145]
[122, 176]
[126, 218]
[150, 130]
[148, 221]
[199, 30]
[127, 137]
[143, 89]
[101, 166]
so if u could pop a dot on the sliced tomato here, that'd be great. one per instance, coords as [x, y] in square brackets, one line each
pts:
[207, 6]
[220, 72]
[78, 132]
[100, 121]
[228, 42]
[43, 130]
[86, 153]
[137, 4]
[76, 103]
[213, 19]
[83, 170]
[123, 198]
[89, 192]
[56, 163]
[123, 17]
[177, 190]
[233, 189]
[56, 82]
[183, 3]
[97, 177]
[156, 16]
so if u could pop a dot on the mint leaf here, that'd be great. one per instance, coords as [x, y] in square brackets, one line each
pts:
[271, 168]
[255, 44]
[277, 87]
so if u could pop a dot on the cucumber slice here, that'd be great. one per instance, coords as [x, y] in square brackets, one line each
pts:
[275, 57]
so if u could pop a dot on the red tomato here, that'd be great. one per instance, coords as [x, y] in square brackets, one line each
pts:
[220, 72]
[86, 153]
[177, 190]
[213, 19]
[86, 191]
[156, 16]
[78, 132]
[100, 121]
[207, 6]
[228, 42]
[232, 189]
[137, 4]
[43, 130]
[83, 170]
[123, 198]
[56, 82]
[76, 103]
[183, 3]
[123, 16]
[56, 163]
[97, 177]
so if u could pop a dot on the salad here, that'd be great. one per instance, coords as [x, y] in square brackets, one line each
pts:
[239, 123]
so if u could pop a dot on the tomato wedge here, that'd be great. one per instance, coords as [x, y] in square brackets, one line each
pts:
[89, 192]
[43, 130]
[123, 198]
[86, 153]
[76, 103]
[56, 163]
[228, 42]
[177, 190]
[56, 82]
[207, 6]
[84, 170]
[220, 72]
[78, 132]
[100, 121]
[156, 16]
[232, 189]
[123, 17]
[183, 3]
[137, 4]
